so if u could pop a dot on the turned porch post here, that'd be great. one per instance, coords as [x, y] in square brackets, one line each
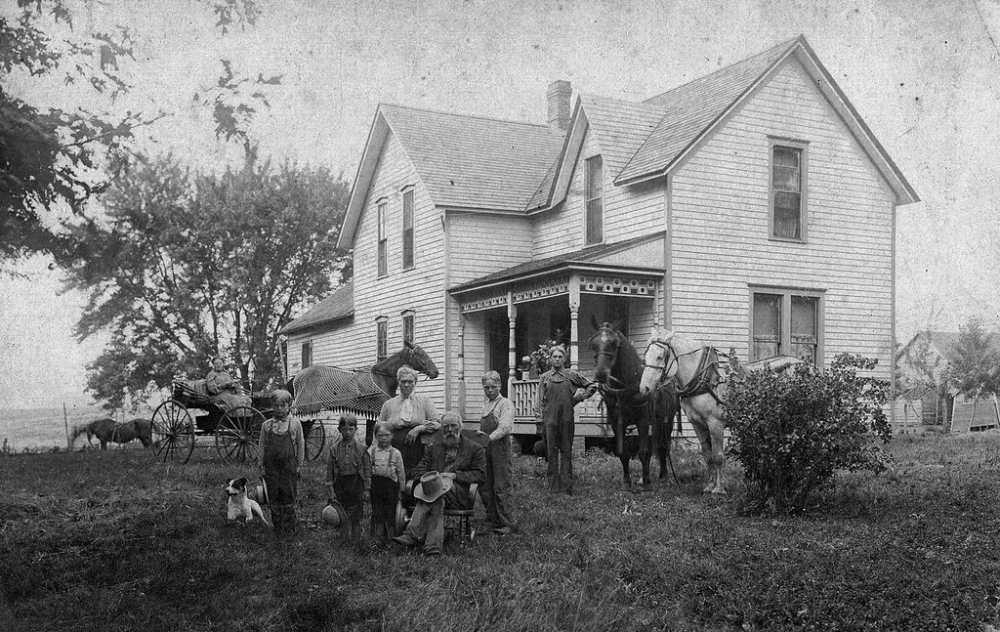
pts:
[574, 318]
[511, 344]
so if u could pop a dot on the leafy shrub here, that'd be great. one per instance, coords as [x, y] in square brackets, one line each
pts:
[793, 431]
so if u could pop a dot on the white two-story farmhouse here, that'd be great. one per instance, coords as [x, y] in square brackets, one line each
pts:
[752, 209]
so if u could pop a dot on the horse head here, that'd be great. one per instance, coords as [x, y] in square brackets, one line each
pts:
[420, 361]
[605, 343]
[659, 362]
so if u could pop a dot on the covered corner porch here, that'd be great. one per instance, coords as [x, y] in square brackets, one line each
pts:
[504, 321]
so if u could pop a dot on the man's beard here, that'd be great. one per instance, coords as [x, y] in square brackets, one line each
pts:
[451, 440]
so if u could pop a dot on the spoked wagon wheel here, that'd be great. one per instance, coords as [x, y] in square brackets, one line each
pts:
[238, 433]
[173, 432]
[315, 436]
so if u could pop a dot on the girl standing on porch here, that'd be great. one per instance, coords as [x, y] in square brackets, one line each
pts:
[559, 390]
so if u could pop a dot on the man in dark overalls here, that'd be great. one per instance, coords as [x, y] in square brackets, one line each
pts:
[497, 422]
[559, 390]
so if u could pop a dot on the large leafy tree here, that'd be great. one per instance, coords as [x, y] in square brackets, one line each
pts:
[189, 265]
[52, 160]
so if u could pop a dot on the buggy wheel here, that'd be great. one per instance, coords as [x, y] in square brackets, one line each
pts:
[173, 432]
[238, 433]
[315, 435]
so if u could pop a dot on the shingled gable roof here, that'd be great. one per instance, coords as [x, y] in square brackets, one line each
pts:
[465, 162]
[579, 258]
[338, 305]
[690, 113]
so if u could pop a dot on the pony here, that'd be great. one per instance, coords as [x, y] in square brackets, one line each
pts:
[105, 429]
[652, 412]
[694, 369]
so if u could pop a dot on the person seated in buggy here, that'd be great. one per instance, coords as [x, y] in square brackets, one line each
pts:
[223, 390]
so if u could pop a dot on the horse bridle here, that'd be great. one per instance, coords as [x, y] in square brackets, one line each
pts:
[673, 358]
[606, 387]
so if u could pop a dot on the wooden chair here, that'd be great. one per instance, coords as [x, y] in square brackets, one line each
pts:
[465, 518]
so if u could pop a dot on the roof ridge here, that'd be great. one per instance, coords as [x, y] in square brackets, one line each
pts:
[785, 46]
[745, 60]
[467, 116]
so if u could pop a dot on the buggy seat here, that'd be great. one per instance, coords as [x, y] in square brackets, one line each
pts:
[192, 392]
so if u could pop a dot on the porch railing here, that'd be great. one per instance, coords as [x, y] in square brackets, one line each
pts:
[522, 394]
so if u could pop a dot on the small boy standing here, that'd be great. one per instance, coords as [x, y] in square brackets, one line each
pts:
[388, 482]
[281, 452]
[349, 473]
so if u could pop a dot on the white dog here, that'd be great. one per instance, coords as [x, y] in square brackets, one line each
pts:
[241, 507]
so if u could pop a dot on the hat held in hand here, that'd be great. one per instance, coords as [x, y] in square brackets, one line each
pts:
[334, 514]
[432, 486]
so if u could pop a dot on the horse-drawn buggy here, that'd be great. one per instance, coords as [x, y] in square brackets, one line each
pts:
[192, 411]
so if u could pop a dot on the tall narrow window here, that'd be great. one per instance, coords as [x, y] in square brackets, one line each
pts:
[407, 326]
[381, 338]
[787, 189]
[766, 326]
[593, 185]
[383, 247]
[786, 322]
[408, 229]
[805, 331]
[307, 354]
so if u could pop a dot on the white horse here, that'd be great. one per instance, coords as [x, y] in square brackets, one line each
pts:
[694, 368]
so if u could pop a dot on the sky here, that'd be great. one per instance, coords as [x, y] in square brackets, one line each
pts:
[924, 75]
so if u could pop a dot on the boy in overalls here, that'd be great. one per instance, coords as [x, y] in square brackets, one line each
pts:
[281, 452]
[497, 422]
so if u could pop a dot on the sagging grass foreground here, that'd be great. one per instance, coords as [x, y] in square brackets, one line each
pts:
[114, 541]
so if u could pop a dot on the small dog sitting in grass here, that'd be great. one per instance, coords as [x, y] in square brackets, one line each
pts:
[240, 506]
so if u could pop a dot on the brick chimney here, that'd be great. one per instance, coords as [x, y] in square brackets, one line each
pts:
[559, 95]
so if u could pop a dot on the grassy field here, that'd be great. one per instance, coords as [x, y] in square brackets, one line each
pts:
[114, 541]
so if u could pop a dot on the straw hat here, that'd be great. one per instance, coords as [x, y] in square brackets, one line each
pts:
[334, 514]
[260, 492]
[432, 486]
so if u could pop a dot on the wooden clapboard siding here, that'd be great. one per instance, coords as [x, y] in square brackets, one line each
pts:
[720, 226]
[420, 289]
[629, 212]
[481, 244]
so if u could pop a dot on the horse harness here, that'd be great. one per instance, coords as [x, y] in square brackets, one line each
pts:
[706, 376]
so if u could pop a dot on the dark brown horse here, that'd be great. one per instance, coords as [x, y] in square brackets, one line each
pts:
[619, 370]
[413, 355]
[106, 430]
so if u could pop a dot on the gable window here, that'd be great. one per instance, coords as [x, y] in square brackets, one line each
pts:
[407, 326]
[381, 338]
[407, 229]
[383, 238]
[307, 354]
[786, 322]
[788, 199]
[593, 187]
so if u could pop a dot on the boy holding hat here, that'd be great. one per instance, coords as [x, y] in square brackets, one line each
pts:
[444, 475]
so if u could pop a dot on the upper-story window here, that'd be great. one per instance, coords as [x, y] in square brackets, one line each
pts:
[383, 238]
[788, 190]
[307, 354]
[593, 187]
[407, 229]
[381, 338]
[786, 322]
[408, 326]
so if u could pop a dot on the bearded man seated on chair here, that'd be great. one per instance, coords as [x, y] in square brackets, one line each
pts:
[443, 477]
